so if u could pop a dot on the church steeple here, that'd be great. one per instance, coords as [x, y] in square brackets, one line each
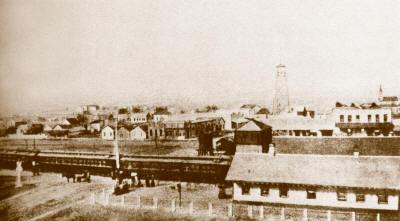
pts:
[380, 96]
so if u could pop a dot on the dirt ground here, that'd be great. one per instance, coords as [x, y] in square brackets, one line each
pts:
[50, 192]
[41, 194]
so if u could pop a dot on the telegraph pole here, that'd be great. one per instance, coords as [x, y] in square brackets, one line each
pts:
[116, 149]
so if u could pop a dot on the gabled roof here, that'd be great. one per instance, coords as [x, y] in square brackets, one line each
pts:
[379, 172]
[112, 127]
[73, 121]
[253, 125]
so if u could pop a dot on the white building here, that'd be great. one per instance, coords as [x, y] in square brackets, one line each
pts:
[137, 133]
[107, 133]
[359, 183]
[249, 110]
[364, 119]
[135, 118]
[161, 117]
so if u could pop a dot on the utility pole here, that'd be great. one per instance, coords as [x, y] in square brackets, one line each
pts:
[155, 135]
[116, 149]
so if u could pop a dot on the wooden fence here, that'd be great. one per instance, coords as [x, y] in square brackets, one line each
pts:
[232, 210]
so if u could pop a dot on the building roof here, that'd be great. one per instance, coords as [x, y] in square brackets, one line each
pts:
[95, 122]
[299, 123]
[263, 111]
[380, 172]
[254, 125]
[249, 106]
[73, 121]
[250, 126]
[390, 99]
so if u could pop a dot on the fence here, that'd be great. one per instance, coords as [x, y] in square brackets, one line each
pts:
[233, 210]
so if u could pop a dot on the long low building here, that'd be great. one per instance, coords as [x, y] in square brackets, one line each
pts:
[351, 182]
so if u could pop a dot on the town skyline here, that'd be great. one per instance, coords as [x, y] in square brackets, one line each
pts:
[56, 55]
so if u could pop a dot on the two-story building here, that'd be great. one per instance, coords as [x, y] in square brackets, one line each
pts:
[214, 125]
[365, 119]
[175, 130]
[315, 181]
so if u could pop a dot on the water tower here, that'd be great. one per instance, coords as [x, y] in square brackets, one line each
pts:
[281, 97]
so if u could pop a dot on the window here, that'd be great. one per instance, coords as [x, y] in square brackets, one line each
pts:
[151, 133]
[341, 118]
[104, 134]
[360, 197]
[349, 118]
[283, 191]
[160, 132]
[377, 118]
[341, 196]
[382, 199]
[385, 118]
[358, 118]
[311, 194]
[369, 117]
[245, 190]
[264, 190]
[110, 133]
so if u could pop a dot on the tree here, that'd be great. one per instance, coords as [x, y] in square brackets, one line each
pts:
[82, 119]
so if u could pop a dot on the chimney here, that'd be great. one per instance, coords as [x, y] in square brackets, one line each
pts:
[356, 154]
[271, 149]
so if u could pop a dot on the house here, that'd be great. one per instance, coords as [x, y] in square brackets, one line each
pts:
[21, 128]
[95, 126]
[363, 119]
[156, 130]
[35, 129]
[47, 129]
[249, 110]
[65, 122]
[317, 181]
[73, 122]
[139, 117]
[123, 133]
[254, 136]
[107, 133]
[60, 130]
[161, 115]
[138, 133]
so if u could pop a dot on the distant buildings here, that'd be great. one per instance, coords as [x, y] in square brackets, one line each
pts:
[365, 119]
[317, 181]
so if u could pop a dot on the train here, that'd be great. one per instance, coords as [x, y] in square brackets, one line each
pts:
[199, 169]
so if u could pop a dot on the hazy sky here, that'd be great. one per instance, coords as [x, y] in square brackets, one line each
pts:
[70, 52]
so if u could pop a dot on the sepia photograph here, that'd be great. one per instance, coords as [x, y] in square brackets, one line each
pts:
[199, 110]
